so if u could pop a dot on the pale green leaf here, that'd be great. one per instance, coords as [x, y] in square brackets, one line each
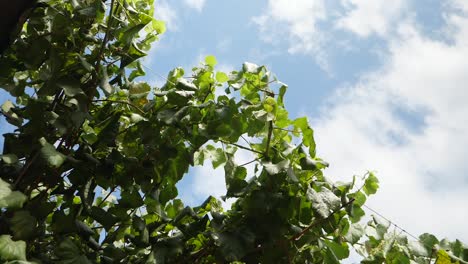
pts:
[216, 155]
[221, 77]
[9, 198]
[104, 82]
[50, 154]
[371, 184]
[88, 67]
[273, 169]
[211, 60]
[324, 201]
[418, 249]
[12, 250]
[9, 158]
[135, 118]
[250, 67]
[355, 232]
[159, 26]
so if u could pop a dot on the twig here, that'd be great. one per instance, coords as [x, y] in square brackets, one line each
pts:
[25, 168]
[270, 131]
[121, 102]
[107, 196]
[242, 147]
[106, 37]
[252, 161]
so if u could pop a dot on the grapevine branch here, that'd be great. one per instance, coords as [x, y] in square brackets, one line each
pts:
[121, 102]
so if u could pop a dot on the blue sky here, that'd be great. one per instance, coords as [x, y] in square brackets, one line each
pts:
[383, 83]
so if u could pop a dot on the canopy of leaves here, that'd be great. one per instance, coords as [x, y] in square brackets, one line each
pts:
[89, 173]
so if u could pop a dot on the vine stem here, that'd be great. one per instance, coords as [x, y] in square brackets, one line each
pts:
[242, 147]
[25, 168]
[106, 37]
[270, 131]
[252, 161]
[121, 102]
[107, 196]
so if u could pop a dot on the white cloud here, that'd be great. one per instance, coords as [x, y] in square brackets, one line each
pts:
[423, 172]
[166, 13]
[312, 27]
[299, 20]
[195, 4]
[365, 17]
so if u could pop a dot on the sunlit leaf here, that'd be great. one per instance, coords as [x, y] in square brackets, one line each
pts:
[51, 155]
[371, 184]
[9, 198]
[211, 60]
[12, 250]
[324, 201]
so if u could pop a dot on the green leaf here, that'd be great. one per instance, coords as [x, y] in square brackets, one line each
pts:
[234, 176]
[273, 169]
[329, 257]
[50, 154]
[359, 198]
[69, 253]
[9, 198]
[216, 155]
[103, 217]
[88, 67]
[135, 118]
[131, 199]
[428, 241]
[9, 158]
[137, 72]
[354, 234]
[443, 257]
[417, 248]
[70, 86]
[250, 67]
[12, 117]
[221, 77]
[159, 26]
[138, 89]
[232, 247]
[12, 250]
[307, 134]
[371, 184]
[23, 225]
[210, 60]
[89, 11]
[324, 201]
[183, 84]
[340, 251]
[104, 82]
[14, 199]
[130, 34]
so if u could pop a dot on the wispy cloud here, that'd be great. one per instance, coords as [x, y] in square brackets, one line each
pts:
[423, 170]
[166, 13]
[195, 4]
[313, 27]
[297, 23]
[366, 17]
